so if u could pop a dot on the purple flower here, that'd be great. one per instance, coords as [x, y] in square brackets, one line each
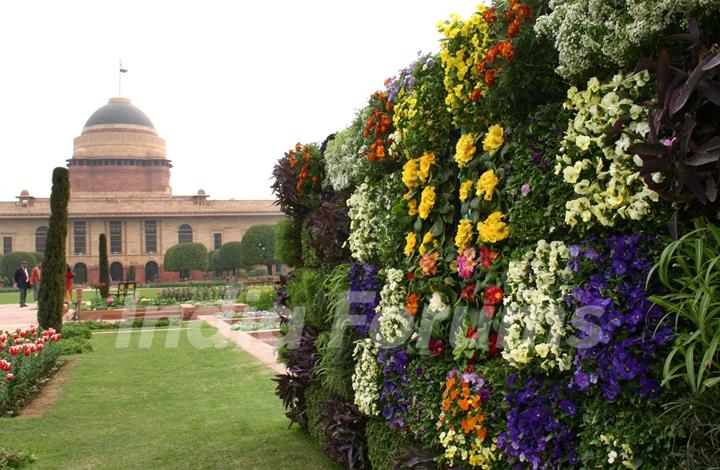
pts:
[592, 254]
[582, 380]
[668, 142]
[574, 251]
[568, 407]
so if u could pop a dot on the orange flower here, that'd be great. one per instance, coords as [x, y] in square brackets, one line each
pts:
[476, 93]
[453, 394]
[464, 404]
[412, 304]
[468, 425]
[446, 405]
[506, 50]
[490, 16]
[298, 147]
[482, 433]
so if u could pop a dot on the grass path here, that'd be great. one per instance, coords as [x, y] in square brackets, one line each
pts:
[158, 407]
[89, 294]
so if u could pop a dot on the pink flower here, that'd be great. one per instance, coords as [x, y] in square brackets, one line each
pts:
[466, 263]
[525, 189]
[428, 263]
[9, 377]
[669, 142]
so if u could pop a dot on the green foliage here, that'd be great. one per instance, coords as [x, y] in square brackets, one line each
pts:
[258, 245]
[73, 330]
[186, 257]
[306, 290]
[690, 270]
[74, 346]
[314, 398]
[287, 243]
[13, 458]
[11, 261]
[104, 280]
[39, 257]
[384, 444]
[310, 257]
[50, 305]
[213, 261]
[259, 298]
[229, 257]
[260, 271]
[131, 273]
[335, 367]
[29, 374]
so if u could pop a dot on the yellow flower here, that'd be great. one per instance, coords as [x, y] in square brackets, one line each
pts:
[486, 185]
[493, 139]
[427, 201]
[427, 238]
[426, 161]
[410, 242]
[493, 229]
[465, 188]
[465, 149]
[464, 235]
[410, 174]
[412, 207]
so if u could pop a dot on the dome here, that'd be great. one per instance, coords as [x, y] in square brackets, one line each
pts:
[24, 192]
[119, 111]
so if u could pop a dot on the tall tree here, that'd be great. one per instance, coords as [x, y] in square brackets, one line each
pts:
[50, 305]
[104, 281]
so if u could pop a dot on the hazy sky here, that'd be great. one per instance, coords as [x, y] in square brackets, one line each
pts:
[230, 85]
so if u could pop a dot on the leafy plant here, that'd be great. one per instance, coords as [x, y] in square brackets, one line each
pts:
[13, 458]
[384, 444]
[345, 434]
[287, 243]
[690, 269]
[681, 154]
[328, 227]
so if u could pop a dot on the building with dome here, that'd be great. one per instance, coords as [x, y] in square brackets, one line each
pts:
[120, 186]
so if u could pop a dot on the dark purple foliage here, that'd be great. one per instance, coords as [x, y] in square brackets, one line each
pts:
[344, 427]
[328, 228]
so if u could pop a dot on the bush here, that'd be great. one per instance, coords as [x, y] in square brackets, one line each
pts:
[12, 458]
[306, 290]
[258, 245]
[384, 444]
[259, 272]
[287, 243]
[314, 398]
[186, 257]
[230, 257]
[11, 261]
[76, 345]
[80, 330]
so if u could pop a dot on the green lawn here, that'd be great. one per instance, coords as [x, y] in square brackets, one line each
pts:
[14, 297]
[157, 407]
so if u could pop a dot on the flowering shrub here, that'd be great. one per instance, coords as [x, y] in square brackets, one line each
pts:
[25, 355]
[345, 158]
[605, 120]
[534, 316]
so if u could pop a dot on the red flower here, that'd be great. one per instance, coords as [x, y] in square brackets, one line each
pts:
[493, 345]
[490, 16]
[493, 295]
[468, 293]
[488, 256]
[9, 377]
[475, 94]
[436, 347]
[410, 276]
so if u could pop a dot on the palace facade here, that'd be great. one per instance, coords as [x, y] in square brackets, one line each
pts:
[120, 186]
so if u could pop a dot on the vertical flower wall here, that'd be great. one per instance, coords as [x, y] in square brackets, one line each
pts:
[510, 258]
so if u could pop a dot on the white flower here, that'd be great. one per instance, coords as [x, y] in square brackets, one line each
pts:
[366, 376]
[436, 302]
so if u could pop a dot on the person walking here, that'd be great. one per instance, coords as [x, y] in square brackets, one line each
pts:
[35, 278]
[68, 283]
[22, 281]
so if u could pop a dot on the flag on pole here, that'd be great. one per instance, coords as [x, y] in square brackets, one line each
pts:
[122, 69]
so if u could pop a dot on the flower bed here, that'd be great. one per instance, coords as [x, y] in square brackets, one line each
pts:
[25, 355]
[512, 296]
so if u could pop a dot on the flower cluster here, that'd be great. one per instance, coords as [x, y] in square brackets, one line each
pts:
[463, 432]
[374, 233]
[393, 363]
[535, 321]
[310, 170]
[395, 325]
[538, 433]
[363, 298]
[345, 158]
[623, 334]
[605, 120]
[379, 126]
[365, 377]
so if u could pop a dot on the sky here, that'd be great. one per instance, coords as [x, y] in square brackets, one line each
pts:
[230, 85]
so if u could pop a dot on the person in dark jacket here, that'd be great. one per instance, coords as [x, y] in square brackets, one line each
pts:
[22, 281]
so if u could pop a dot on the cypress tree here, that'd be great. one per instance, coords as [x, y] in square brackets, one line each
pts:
[50, 305]
[104, 281]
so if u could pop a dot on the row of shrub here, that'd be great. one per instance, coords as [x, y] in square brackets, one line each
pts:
[510, 259]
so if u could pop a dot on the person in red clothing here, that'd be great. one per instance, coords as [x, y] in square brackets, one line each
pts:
[68, 283]
[35, 279]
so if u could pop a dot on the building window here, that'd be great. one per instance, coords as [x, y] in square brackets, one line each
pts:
[217, 240]
[116, 272]
[185, 234]
[7, 245]
[79, 237]
[151, 236]
[41, 239]
[115, 236]
[80, 271]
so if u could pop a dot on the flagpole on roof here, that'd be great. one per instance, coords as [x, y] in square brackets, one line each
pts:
[121, 71]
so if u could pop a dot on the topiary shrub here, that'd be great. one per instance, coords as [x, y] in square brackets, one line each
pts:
[229, 257]
[258, 245]
[11, 261]
[186, 257]
[104, 280]
[287, 243]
